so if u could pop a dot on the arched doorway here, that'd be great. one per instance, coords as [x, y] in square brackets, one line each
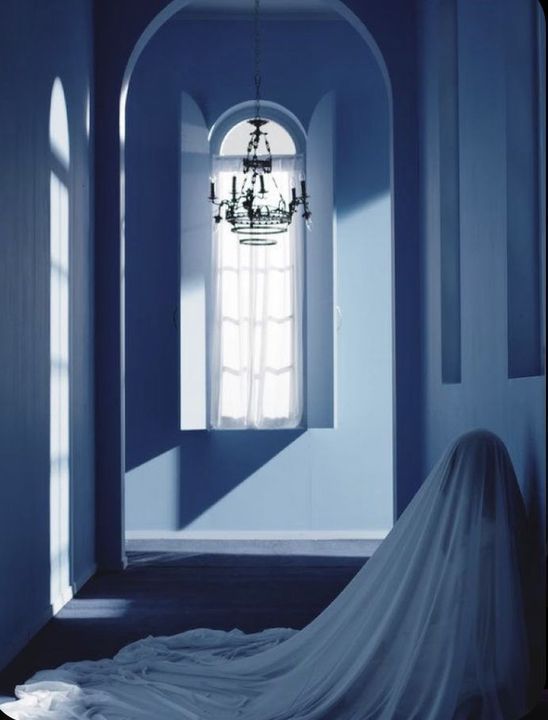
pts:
[169, 12]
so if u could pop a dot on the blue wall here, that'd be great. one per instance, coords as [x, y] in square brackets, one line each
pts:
[39, 42]
[338, 479]
[494, 67]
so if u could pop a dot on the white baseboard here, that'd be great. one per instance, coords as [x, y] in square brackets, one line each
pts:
[349, 543]
[268, 535]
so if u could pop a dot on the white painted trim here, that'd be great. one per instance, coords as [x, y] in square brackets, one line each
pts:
[256, 534]
[69, 592]
[61, 600]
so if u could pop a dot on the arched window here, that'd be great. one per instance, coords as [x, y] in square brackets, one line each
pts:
[236, 139]
[256, 354]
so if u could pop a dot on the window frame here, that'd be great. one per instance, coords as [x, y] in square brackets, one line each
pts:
[269, 111]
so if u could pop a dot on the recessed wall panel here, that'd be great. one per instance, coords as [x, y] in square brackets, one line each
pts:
[449, 193]
[522, 192]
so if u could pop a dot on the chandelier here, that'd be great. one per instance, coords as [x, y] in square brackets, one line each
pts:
[257, 210]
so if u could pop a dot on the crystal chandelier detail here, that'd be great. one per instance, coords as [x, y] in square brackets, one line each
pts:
[256, 217]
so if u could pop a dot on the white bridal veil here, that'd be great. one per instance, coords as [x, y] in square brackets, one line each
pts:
[440, 624]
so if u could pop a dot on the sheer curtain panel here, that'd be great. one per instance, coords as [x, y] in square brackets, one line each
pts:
[256, 358]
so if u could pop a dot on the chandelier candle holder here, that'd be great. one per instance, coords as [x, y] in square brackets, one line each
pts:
[251, 210]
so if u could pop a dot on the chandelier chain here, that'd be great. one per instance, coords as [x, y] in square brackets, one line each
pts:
[257, 43]
[254, 217]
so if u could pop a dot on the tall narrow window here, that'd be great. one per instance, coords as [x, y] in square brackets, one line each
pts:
[59, 351]
[256, 365]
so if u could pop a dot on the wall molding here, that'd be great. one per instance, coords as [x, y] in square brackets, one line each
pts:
[253, 535]
[269, 544]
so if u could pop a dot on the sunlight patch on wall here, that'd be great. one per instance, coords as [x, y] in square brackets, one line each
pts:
[60, 588]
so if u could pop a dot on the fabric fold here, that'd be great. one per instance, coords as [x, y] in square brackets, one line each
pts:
[438, 625]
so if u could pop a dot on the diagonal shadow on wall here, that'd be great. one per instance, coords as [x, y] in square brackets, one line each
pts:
[214, 463]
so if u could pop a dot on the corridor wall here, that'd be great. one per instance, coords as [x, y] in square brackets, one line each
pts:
[483, 189]
[38, 43]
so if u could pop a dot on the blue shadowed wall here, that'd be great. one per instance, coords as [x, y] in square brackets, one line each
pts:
[38, 43]
[481, 170]
[318, 479]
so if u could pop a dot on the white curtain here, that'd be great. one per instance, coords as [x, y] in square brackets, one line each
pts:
[256, 349]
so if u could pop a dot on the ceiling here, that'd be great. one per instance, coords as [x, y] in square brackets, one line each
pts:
[270, 9]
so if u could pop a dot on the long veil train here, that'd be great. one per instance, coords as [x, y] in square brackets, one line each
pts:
[440, 624]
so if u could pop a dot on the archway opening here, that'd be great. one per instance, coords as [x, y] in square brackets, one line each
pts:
[356, 266]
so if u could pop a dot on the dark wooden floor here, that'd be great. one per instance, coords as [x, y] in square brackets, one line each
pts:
[166, 593]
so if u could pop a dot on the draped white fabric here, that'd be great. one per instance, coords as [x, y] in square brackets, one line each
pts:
[442, 623]
[256, 359]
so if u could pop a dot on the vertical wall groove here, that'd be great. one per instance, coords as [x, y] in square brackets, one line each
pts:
[449, 192]
[522, 194]
[541, 90]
